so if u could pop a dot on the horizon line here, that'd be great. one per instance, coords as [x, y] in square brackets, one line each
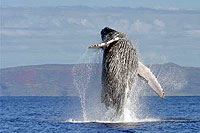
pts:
[87, 63]
[96, 7]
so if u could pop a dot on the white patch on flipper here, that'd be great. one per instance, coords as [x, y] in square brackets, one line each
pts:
[152, 81]
[104, 44]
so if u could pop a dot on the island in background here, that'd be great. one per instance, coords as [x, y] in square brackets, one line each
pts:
[57, 80]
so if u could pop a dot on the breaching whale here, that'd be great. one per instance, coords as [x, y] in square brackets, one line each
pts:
[120, 69]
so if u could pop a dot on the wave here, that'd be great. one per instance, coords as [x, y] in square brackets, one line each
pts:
[137, 121]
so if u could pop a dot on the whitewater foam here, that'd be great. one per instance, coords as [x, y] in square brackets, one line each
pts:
[99, 121]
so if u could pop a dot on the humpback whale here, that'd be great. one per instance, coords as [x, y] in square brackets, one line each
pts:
[120, 68]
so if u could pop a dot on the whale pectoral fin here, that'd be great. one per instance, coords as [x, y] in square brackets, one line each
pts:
[152, 81]
[104, 44]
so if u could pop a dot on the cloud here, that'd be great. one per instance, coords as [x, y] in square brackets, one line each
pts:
[141, 27]
[159, 23]
[78, 21]
[75, 29]
[155, 26]
[15, 32]
[194, 33]
[122, 25]
[165, 8]
[12, 32]
[14, 48]
[159, 27]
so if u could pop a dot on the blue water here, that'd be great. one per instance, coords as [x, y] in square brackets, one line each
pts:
[49, 114]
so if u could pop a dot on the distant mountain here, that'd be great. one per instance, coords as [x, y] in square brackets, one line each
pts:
[57, 80]
[37, 80]
[178, 80]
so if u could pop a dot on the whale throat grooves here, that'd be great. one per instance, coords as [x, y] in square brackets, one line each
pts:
[119, 70]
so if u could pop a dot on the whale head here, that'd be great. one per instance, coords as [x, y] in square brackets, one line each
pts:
[109, 36]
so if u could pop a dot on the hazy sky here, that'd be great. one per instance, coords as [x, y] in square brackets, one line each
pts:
[102, 3]
[164, 32]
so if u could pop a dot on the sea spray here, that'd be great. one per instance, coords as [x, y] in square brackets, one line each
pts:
[81, 80]
[132, 109]
[92, 108]
[130, 105]
[82, 73]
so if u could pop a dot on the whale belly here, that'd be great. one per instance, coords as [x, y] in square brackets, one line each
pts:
[119, 70]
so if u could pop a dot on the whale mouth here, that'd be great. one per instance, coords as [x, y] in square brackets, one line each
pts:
[104, 44]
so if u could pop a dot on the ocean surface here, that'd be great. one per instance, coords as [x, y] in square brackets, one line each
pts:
[61, 114]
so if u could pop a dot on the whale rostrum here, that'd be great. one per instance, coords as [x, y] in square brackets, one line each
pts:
[120, 69]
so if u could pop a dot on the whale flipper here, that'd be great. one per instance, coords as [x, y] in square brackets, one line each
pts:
[104, 44]
[152, 81]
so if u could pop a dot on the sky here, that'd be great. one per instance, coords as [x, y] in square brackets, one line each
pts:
[164, 32]
[189, 4]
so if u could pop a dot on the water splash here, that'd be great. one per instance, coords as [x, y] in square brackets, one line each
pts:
[82, 76]
[133, 105]
[92, 108]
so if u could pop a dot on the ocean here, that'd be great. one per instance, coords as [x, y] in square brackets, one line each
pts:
[64, 114]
